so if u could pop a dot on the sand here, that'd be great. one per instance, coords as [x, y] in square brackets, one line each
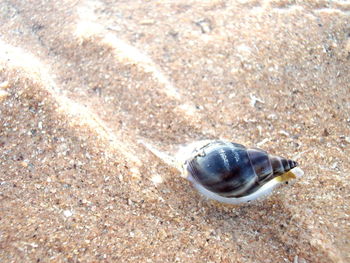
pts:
[81, 82]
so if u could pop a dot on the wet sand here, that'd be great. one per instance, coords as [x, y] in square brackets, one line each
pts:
[81, 82]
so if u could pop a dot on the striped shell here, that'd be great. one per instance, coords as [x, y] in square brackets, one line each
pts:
[231, 173]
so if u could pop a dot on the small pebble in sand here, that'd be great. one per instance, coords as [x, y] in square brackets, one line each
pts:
[67, 213]
[4, 85]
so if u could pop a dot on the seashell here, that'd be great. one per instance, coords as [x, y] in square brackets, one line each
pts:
[229, 172]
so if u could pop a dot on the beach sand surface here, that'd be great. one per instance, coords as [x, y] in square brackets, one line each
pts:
[82, 82]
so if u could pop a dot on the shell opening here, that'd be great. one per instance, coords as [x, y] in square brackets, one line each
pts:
[291, 174]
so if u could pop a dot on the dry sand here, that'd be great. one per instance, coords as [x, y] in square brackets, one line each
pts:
[83, 81]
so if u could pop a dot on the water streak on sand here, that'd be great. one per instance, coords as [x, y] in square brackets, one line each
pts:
[87, 27]
[17, 58]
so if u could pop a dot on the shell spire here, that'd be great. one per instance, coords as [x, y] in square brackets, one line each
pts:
[268, 166]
